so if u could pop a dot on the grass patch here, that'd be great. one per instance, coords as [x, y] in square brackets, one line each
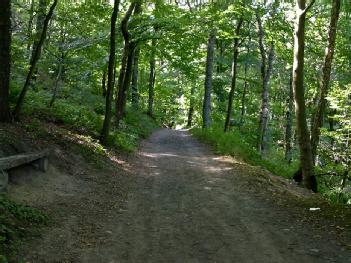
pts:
[233, 143]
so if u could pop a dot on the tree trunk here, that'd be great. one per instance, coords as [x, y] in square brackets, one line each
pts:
[34, 59]
[191, 107]
[288, 127]
[57, 80]
[325, 79]
[30, 25]
[5, 59]
[266, 69]
[122, 95]
[206, 111]
[234, 73]
[306, 160]
[126, 66]
[243, 98]
[110, 76]
[152, 77]
[135, 92]
[38, 31]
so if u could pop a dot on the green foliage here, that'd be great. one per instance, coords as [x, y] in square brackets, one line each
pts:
[233, 143]
[70, 110]
[16, 220]
[135, 126]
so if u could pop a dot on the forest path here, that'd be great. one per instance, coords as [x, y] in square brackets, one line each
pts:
[188, 205]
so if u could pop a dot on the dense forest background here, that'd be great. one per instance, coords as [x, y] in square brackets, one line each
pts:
[266, 81]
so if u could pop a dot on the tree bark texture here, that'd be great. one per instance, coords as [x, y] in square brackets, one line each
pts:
[266, 70]
[152, 77]
[41, 14]
[234, 74]
[135, 77]
[325, 78]
[206, 111]
[288, 127]
[306, 160]
[110, 76]
[126, 66]
[191, 107]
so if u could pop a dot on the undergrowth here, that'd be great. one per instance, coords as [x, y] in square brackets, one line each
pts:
[233, 143]
[16, 221]
[236, 144]
[86, 119]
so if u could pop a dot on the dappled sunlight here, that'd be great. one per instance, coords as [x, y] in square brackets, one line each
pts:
[229, 160]
[157, 155]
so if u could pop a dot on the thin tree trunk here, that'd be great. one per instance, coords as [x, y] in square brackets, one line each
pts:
[234, 73]
[122, 96]
[135, 92]
[57, 80]
[41, 15]
[191, 107]
[288, 127]
[5, 59]
[30, 26]
[306, 159]
[125, 71]
[110, 76]
[243, 98]
[33, 62]
[325, 79]
[266, 69]
[206, 112]
[152, 77]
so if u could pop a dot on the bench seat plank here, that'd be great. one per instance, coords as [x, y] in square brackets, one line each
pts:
[20, 159]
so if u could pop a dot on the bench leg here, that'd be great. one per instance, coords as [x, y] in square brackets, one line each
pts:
[4, 180]
[42, 164]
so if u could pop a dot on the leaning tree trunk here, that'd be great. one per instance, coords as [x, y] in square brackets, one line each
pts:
[125, 72]
[306, 159]
[288, 127]
[206, 111]
[325, 79]
[34, 59]
[43, 4]
[152, 77]
[5, 59]
[234, 73]
[110, 76]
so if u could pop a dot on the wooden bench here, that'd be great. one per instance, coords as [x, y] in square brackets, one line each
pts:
[38, 159]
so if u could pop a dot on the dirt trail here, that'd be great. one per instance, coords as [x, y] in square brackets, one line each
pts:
[184, 205]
